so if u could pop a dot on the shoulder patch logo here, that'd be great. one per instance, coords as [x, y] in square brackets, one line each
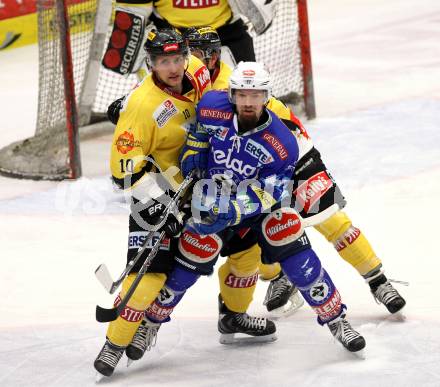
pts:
[203, 78]
[164, 112]
[276, 144]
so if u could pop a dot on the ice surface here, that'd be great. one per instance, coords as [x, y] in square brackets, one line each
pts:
[376, 72]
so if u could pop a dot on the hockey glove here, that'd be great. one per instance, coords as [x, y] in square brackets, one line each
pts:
[194, 155]
[217, 220]
[114, 109]
[155, 212]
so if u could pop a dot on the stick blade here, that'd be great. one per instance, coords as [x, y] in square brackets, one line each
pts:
[106, 315]
[103, 275]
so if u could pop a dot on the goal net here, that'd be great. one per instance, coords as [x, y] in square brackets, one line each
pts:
[53, 152]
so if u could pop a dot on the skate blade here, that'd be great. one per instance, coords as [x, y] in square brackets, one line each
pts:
[360, 354]
[294, 303]
[398, 316]
[237, 338]
[129, 362]
[99, 377]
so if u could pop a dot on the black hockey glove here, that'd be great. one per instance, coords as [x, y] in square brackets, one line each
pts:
[114, 109]
[154, 214]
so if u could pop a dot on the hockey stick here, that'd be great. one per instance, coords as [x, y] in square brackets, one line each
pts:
[103, 274]
[107, 315]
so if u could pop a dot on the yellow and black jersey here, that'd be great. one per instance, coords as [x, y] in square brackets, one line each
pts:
[154, 121]
[189, 13]
[220, 77]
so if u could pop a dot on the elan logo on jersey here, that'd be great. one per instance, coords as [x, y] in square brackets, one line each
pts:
[236, 165]
[195, 3]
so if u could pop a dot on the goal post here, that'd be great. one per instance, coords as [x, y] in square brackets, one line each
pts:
[75, 89]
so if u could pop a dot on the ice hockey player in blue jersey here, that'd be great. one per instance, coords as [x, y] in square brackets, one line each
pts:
[246, 156]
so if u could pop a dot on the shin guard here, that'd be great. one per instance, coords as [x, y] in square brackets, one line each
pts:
[304, 269]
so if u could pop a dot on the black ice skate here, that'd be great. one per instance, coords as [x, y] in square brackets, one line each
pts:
[255, 329]
[143, 340]
[282, 297]
[346, 335]
[108, 358]
[385, 293]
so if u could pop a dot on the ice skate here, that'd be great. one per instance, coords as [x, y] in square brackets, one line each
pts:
[143, 340]
[282, 297]
[346, 335]
[385, 293]
[240, 327]
[107, 359]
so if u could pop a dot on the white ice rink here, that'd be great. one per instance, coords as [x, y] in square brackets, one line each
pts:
[376, 70]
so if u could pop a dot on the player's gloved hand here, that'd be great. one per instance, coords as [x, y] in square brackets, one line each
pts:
[114, 109]
[194, 161]
[217, 220]
[154, 215]
[194, 155]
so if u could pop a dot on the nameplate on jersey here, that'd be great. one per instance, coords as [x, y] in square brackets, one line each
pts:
[216, 114]
[191, 4]
[164, 112]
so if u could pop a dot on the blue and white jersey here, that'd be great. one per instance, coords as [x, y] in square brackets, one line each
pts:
[266, 154]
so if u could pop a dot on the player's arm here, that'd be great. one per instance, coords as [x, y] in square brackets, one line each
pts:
[134, 139]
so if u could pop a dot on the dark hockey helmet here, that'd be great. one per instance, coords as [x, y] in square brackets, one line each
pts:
[164, 42]
[205, 39]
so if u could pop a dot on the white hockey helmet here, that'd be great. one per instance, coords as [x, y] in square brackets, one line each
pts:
[250, 76]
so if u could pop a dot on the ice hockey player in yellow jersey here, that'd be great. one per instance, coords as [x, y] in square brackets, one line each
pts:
[152, 122]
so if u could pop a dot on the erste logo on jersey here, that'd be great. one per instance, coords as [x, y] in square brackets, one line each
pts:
[203, 78]
[313, 189]
[195, 3]
[258, 151]
[282, 227]
[276, 144]
[136, 240]
[164, 112]
[219, 132]
[233, 164]
[199, 249]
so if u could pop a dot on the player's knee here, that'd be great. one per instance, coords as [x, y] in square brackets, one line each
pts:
[170, 295]
[334, 227]
[302, 268]
[198, 253]
[145, 292]
[246, 261]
